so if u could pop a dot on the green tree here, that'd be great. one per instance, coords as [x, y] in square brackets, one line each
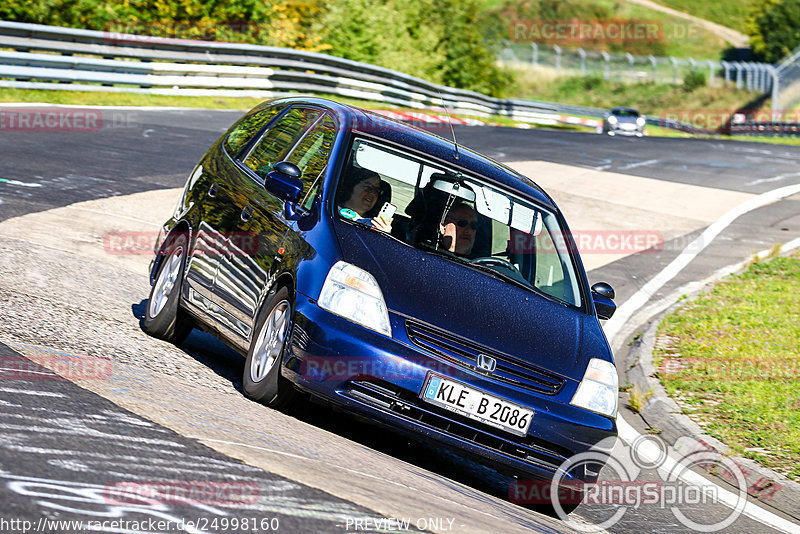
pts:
[774, 28]
[438, 40]
[388, 33]
[467, 63]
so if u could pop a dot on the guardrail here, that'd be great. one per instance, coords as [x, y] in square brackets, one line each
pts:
[104, 61]
[49, 57]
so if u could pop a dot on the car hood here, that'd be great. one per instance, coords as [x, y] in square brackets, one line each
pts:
[427, 288]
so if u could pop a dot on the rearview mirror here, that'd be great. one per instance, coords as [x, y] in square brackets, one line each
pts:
[456, 189]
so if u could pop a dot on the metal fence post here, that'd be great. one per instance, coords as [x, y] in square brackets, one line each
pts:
[674, 69]
[506, 53]
[629, 57]
[535, 54]
[776, 81]
[582, 53]
[558, 57]
[711, 70]
[607, 59]
[653, 64]
[768, 77]
[727, 67]
[757, 76]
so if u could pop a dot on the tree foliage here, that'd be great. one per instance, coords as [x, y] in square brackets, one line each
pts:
[437, 40]
[774, 28]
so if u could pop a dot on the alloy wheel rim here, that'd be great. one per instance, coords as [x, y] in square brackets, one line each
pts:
[269, 342]
[166, 282]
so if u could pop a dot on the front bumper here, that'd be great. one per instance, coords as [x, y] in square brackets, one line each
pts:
[380, 378]
[624, 129]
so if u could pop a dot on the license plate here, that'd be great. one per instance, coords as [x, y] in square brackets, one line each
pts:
[477, 405]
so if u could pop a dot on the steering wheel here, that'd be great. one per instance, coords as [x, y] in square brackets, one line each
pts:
[491, 261]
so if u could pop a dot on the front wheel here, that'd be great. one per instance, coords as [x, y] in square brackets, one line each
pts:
[262, 380]
[163, 317]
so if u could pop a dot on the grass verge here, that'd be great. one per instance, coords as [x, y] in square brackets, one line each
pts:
[731, 359]
[731, 13]
[703, 104]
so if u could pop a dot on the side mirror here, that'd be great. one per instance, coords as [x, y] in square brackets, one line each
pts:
[284, 182]
[603, 298]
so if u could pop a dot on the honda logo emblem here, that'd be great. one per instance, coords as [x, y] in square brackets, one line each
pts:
[487, 363]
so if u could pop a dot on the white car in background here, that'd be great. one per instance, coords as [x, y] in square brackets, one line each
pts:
[625, 121]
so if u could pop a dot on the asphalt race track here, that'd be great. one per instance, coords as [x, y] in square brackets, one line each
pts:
[152, 413]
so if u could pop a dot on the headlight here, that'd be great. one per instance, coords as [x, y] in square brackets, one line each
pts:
[640, 121]
[599, 389]
[354, 294]
[612, 119]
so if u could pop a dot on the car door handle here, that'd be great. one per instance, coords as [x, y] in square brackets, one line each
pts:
[247, 212]
[212, 191]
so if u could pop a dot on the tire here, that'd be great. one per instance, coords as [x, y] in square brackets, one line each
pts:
[262, 380]
[163, 317]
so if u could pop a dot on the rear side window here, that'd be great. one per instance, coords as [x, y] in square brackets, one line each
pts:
[276, 142]
[312, 152]
[243, 132]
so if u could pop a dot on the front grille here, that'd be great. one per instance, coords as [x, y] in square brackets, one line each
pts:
[388, 397]
[464, 354]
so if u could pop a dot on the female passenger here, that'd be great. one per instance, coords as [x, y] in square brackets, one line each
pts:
[358, 198]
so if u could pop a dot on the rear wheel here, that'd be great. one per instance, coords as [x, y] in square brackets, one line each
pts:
[163, 316]
[262, 380]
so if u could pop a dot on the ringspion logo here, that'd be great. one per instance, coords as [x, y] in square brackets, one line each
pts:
[627, 482]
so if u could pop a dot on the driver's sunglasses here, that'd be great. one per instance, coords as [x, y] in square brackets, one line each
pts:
[368, 188]
[462, 223]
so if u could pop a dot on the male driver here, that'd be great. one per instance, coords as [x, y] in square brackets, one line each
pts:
[458, 230]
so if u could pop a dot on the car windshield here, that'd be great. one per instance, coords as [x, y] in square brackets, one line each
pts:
[622, 112]
[459, 216]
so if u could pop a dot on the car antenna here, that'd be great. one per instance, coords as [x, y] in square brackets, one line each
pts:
[450, 122]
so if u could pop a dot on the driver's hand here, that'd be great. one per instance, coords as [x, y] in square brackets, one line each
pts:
[382, 224]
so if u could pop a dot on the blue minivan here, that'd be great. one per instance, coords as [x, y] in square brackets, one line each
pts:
[395, 275]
